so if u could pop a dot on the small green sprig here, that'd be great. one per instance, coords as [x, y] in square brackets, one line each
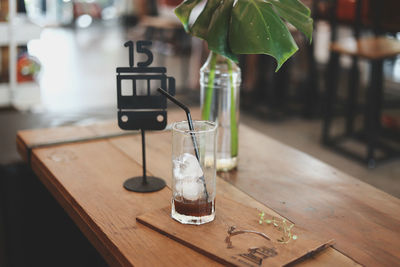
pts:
[281, 225]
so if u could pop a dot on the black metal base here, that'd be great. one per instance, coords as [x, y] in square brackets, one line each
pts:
[136, 184]
[387, 152]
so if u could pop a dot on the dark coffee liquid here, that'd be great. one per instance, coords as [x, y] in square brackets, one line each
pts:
[195, 208]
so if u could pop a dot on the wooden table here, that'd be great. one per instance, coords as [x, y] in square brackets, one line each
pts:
[84, 168]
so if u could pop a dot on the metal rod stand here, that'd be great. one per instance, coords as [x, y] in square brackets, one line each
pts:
[144, 183]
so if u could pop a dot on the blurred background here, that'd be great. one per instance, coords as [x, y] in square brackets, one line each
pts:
[57, 67]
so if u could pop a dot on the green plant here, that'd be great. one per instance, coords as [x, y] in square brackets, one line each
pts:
[281, 225]
[233, 27]
[248, 26]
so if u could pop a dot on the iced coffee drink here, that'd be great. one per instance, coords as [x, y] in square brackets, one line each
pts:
[193, 200]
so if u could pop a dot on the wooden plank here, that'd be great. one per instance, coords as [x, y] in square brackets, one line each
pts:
[209, 239]
[131, 148]
[86, 179]
[32, 138]
[327, 258]
[28, 139]
[62, 168]
[159, 148]
[364, 221]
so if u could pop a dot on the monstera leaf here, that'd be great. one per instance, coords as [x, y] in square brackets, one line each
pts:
[233, 27]
[248, 26]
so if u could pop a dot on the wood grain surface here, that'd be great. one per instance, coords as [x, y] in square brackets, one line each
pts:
[209, 239]
[364, 221]
[86, 178]
[29, 139]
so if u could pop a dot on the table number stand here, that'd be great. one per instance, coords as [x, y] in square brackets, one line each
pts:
[142, 108]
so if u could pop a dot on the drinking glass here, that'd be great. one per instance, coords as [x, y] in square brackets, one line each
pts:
[193, 172]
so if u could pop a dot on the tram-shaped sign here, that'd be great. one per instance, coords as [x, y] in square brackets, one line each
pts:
[140, 106]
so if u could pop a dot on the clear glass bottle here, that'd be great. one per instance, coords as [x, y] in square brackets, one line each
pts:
[220, 80]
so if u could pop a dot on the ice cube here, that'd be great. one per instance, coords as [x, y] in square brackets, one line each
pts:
[187, 166]
[191, 189]
[187, 173]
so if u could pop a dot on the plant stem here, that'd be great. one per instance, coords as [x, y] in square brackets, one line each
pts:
[234, 129]
[210, 88]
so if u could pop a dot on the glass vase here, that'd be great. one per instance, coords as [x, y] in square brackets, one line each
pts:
[220, 80]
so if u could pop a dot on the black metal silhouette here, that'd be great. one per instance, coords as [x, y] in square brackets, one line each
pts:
[141, 107]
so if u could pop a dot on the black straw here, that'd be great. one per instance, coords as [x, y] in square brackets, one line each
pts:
[191, 128]
[189, 119]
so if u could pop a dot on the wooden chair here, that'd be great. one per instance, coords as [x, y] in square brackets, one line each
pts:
[375, 50]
